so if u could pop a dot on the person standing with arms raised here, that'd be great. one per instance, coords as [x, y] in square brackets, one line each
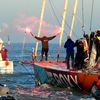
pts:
[45, 45]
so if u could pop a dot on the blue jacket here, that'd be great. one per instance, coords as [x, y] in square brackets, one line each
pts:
[69, 45]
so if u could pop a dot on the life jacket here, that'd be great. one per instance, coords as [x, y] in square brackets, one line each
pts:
[97, 37]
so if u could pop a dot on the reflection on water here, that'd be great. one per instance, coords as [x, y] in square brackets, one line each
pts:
[46, 92]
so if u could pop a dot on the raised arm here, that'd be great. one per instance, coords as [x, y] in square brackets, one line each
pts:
[38, 38]
[50, 38]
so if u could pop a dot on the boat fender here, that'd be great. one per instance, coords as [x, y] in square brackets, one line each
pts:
[4, 90]
[7, 63]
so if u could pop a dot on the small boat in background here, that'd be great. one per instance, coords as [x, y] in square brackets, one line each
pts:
[6, 66]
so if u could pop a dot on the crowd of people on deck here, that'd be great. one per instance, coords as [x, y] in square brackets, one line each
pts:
[84, 45]
[84, 49]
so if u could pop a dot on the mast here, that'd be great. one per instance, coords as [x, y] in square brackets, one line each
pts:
[91, 15]
[83, 16]
[73, 17]
[40, 24]
[8, 40]
[62, 26]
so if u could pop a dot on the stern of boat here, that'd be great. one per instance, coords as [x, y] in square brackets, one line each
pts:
[6, 67]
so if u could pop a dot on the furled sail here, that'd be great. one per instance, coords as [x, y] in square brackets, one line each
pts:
[73, 17]
[63, 24]
[40, 24]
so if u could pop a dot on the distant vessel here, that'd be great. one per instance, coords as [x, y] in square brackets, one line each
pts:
[6, 66]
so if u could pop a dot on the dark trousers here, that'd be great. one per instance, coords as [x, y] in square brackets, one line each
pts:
[79, 60]
[44, 51]
[70, 55]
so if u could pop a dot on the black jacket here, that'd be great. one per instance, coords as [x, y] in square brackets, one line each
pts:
[45, 40]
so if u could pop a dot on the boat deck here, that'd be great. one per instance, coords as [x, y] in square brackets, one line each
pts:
[60, 65]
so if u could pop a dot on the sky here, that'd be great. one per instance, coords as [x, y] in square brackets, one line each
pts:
[16, 15]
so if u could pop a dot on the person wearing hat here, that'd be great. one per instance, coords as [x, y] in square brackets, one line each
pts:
[97, 44]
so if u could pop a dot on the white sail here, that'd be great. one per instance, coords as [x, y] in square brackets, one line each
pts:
[63, 24]
[73, 17]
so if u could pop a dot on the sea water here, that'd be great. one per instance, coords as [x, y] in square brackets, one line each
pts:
[23, 75]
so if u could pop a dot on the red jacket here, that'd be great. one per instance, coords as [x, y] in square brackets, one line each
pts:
[4, 53]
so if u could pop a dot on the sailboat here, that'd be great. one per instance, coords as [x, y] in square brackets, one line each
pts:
[55, 72]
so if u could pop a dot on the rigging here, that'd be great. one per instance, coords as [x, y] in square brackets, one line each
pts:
[52, 7]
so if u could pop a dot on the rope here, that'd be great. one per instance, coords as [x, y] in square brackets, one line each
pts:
[29, 72]
[81, 23]
[66, 24]
[40, 24]
[52, 7]
[91, 15]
